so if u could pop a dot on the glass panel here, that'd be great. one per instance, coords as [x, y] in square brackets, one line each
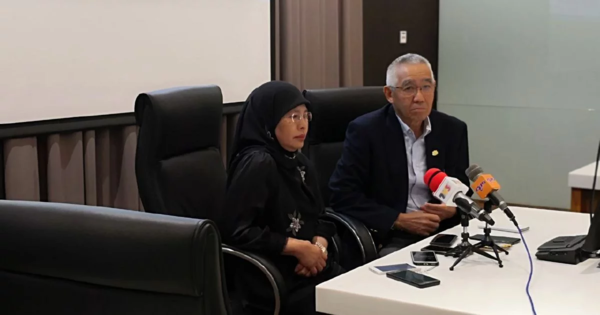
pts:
[525, 77]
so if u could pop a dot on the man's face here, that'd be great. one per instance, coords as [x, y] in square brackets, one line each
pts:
[414, 94]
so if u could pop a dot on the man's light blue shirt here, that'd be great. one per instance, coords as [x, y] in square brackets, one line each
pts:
[418, 192]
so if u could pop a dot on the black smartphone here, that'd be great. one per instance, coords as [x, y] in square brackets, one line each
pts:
[413, 278]
[436, 249]
[498, 239]
[424, 259]
[444, 240]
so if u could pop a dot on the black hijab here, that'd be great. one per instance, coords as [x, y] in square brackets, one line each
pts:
[258, 119]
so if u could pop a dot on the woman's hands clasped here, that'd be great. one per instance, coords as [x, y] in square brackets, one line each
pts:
[311, 258]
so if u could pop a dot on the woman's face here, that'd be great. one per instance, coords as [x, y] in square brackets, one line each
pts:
[292, 128]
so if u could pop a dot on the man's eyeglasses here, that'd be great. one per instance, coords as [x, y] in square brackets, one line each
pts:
[295, 117]
[411, 90]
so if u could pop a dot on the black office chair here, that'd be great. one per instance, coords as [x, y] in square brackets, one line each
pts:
[333, 110]
[179, 167]
[73, 259]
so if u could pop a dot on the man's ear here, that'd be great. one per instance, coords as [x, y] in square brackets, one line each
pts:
[388, 93]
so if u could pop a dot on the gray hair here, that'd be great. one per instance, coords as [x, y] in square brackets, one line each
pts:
[391, 79]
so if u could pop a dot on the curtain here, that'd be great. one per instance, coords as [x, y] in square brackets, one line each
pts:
[95, 167]
[318, 44]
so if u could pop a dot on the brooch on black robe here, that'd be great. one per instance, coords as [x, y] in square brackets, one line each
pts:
[296, 223]
[302, 172]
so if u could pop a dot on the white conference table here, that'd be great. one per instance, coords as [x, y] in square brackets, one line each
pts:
[580, 181]
[477, 285]
[583, 177]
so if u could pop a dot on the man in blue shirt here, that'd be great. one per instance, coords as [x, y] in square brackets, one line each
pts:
[379, 178]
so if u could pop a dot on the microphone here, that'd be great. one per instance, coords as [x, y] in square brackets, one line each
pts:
[487, 187]
[451, 192]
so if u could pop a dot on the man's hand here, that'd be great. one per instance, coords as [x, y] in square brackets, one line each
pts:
[418, 222]
[442, 211]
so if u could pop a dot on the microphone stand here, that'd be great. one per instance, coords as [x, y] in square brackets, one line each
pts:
[487, 240]
[465, 248]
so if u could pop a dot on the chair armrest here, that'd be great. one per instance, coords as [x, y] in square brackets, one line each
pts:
[335, 249]
[359, 231]
[266, 267]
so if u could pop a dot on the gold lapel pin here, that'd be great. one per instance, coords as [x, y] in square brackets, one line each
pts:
[435, 152]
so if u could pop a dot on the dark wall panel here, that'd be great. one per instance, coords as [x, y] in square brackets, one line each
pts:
[382, 22]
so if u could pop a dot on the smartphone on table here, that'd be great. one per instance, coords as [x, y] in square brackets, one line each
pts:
[445, 240]
[424, 258]
[380, 270]
[436, 249]
[413, 278]
[498, 239]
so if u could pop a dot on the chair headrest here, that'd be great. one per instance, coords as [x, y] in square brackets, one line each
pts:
[109, 247]
[180, 120]
[334, 109]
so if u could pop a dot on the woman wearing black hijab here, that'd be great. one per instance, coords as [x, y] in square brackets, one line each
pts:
[273, 205]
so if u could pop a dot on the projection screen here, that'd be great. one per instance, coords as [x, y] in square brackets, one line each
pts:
[77, 58]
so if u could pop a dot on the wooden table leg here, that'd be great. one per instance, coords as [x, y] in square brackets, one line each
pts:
[576, 199]
[581, 198]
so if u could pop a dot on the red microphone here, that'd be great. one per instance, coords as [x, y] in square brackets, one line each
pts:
[433, 178]
[451, 192]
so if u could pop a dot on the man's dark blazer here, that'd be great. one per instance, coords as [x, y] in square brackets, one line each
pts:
[370, 182]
